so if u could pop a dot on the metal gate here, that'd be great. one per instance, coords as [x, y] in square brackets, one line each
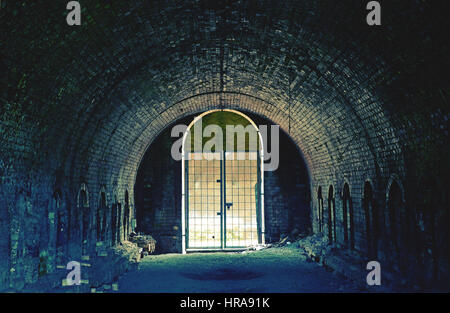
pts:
[223, 200]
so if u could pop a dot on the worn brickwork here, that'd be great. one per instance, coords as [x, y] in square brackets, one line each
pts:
[158, 195]
[80, 105]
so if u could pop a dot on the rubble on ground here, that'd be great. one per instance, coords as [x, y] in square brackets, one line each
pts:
[146, 242]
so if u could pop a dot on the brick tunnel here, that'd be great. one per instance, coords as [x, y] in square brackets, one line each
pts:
[86, 113]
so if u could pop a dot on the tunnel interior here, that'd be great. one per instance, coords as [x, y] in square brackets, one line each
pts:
[85, 114]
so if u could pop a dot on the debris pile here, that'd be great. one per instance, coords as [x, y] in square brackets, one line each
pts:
[146, 242]
[257, 247]
[294, 236]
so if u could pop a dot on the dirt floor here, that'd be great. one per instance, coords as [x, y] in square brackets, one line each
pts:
[280, 269]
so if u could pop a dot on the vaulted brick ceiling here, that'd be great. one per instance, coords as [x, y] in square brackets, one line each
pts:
[83, 103]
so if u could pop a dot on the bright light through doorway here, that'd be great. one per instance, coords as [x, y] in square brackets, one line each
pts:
[223, 214]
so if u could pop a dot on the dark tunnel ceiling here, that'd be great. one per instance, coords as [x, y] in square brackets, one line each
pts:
[86, 101]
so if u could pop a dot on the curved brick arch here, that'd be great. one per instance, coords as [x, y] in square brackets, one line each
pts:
[299, 132]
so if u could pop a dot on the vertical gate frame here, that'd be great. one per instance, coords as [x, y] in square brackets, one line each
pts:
[184, 184]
